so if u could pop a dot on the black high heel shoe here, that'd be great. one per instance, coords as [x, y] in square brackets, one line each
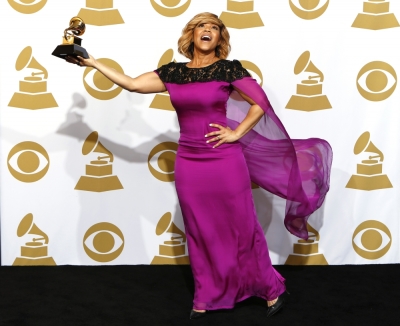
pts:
[278, 305]
[196, 314]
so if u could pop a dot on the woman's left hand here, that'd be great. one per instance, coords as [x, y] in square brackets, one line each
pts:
[223, 135]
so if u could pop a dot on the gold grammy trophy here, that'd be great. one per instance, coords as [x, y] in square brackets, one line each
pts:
[32, 93]
[172, 252]
[375, 16]
[71, 43]
[369, 173]
[241, 14]
[98, 176]
[305, 252]
[162, 101]
[100, 13]
[309, 92]
[34, 252]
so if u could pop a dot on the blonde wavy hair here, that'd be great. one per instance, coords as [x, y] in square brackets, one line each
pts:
[185, 42]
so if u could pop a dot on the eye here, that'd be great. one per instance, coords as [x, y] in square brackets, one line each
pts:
[254, 71]
[161, 161]
[103, 242]
[216, 27]
[372, 239]
[170, 8]
[376, 81]
[308, 9]
[97, 85]
[27, 6]
[28, 162]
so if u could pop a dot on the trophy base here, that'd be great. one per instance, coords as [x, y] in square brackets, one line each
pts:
[160, 260]
[33, 101]
[73, 50]
[375, 182]
[375, 22]
[162, 102]
[45, 261]
[308, 104]
[241, 20]
[101, 17]
[98, 184]
[318, 259]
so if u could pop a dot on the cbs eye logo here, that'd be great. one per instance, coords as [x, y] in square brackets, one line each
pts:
[28, 162]
[376, 81]
[97, 85]
[254, 71]
[308, 9]
[103, 242]
[27, 6]
[161, 161]
[170, 8]
[372, 239]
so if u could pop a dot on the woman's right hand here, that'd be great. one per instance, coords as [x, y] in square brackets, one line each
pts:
[80, 61]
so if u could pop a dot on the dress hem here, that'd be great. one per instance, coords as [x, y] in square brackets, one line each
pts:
[237, 301]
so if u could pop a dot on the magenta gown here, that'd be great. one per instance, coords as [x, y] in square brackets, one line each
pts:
[227, 248]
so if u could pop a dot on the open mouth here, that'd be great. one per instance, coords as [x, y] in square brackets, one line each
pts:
[206, 38]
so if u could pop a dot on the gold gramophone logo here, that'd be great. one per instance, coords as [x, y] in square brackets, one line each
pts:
[254, 71]
[170, 8]
[103, 242]
[372, 239]
[33, 252]
[309, 95]
[32, 93]
[240, 14]
[308, 9]
[27, 6]
[100, 13]
[376, 16]
[28, 161]
[376, 81]
[173, 251]
[97, 85]
[99, 174]
[305, 252]
[161, 161]
[162, 101]
[369, 172]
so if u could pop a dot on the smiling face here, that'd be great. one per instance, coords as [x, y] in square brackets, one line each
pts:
[206, 37]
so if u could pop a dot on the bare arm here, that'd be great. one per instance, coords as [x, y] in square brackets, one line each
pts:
[227, 135]
[147, 83]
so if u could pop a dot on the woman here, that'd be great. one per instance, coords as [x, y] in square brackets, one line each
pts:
[217, 158]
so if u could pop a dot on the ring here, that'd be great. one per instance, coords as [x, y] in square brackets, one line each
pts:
[218, 137]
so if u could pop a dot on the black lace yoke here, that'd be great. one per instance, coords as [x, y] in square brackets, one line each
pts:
[222, 70]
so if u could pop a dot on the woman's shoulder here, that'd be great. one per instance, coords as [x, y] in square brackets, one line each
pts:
[233, 69]
[169, 71]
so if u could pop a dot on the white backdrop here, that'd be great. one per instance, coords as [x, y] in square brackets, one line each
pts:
[128, 215]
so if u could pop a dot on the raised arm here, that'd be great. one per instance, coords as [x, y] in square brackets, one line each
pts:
[146, 83]
[227, 135]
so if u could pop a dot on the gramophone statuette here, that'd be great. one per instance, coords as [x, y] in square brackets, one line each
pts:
[71, 43]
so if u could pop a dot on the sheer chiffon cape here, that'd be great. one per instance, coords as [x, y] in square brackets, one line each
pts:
[295, 169]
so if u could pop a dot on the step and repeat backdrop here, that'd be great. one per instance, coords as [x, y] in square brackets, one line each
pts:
[87, 169]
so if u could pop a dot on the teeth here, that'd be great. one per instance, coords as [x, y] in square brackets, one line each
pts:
[206, 37]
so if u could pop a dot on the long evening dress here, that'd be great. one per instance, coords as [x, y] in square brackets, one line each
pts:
[227, 248]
